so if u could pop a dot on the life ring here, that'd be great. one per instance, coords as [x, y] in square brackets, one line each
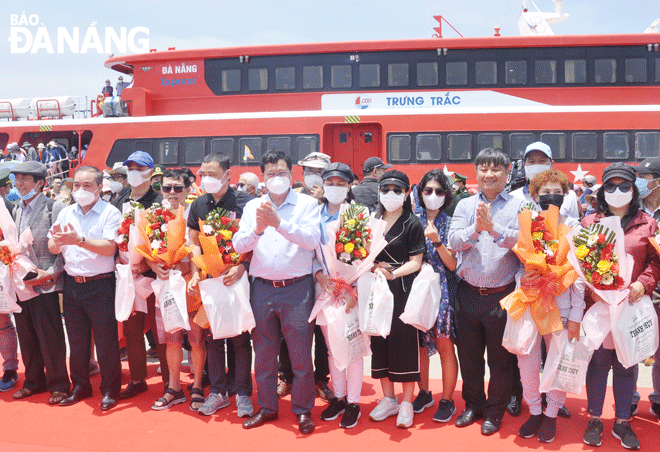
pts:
[99, 104]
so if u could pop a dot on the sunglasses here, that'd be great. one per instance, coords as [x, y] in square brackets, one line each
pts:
[396, 190]
[623, 187]
[428, 191]
[176, 188]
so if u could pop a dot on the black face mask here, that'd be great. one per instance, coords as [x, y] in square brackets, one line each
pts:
[545, 201]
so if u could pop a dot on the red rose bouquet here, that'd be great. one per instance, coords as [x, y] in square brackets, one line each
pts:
[354, 234]
[215, 239]
[163, 234]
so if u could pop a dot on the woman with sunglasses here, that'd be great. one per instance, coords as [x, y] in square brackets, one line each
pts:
[347, 383]
[435, 196]
[396, 357]
[548, 188]
[619, 196]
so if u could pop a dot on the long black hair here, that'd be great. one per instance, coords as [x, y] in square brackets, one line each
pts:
[440, 177]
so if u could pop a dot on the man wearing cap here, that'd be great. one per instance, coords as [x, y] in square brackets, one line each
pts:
[85, 235]
[140, 167]
[538, 158]
[31, 153]
[157, 178]
[648, 184]
[366, 192]
[121, 84]
[483, 231]
[118, 183]
[460, 192]
[5, 188]
[107, 89]
[588, 183]
[39, 324]
[312, 166]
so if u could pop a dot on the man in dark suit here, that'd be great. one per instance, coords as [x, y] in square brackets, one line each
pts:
[39, 325]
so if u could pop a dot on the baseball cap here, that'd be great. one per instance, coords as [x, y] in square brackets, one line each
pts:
[395, 177]
[141, 158]
[589, 179]
[315, 160]
[538, 146]
[372, 163]
[118, 168]
[649, 166]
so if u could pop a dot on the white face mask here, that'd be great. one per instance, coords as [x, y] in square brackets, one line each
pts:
[136, 178]
[433, 201]
[212, 185]
[115, 186]
[533, 170]
[618, 198]
[84, 197]
[278, 185]
[391, 201]
[334, 194]
[313, 179]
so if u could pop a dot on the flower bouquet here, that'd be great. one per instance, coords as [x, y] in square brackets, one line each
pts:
[227, 309]
[542, 246]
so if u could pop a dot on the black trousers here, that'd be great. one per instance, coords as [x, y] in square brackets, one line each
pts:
[480, 323]
[321, 366]
[88, 307]
[41, 337]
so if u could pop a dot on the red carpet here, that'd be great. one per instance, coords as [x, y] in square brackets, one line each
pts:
[31, 425]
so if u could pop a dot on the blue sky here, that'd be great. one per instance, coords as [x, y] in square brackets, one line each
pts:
[206, 23]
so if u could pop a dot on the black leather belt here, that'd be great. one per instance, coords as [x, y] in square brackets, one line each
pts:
[491, 290]
[283, 282]
[84, 279]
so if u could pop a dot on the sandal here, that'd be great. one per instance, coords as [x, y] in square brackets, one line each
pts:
[196, 397]
[163, 404]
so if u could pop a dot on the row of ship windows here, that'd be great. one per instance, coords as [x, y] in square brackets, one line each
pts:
[456, 74]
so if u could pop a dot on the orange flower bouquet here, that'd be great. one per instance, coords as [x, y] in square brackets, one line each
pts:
[215, 239]
[542, 246]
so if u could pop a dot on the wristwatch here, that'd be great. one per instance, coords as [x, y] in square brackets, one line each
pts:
[82, 242]
[436, 244]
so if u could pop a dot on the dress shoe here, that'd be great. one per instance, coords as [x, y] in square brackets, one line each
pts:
[133, 389]
[260, 418]
[563, 412]
[108, 402]
[514, 407]
[490, 426]
[467, 417]
[75, 396]
[305, 423]
[22, 394]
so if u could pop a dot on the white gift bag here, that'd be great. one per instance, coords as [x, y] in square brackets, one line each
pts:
[566, 366]
[520, 337]
[227, 307]
[124, 292]
[424, 300]
[347, 343]
[375, 305]
[143, 290]
[171, 296]
[636, 332]
[8, 303]
[596, 325]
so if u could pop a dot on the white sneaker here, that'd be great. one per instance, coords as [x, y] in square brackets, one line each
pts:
[386, 407]
[405, 417]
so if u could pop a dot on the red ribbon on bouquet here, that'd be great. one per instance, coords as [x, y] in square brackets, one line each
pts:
[340, 287]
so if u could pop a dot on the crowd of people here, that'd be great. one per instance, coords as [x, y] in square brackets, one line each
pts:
[468, 240]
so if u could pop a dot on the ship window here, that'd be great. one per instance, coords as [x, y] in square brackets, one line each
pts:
[369, 75]
[258, 79]
[279, 144]
[194, 151]
[306, 145]
[490, 140]
[368, 137]
[312, 77]
[253, 146]
[486, 72]
[456, 73]
[557, 142]
[168, 152]
[427, 74]
[545, 72]
[399, 148]
[429, 146]
[575, 71]
[647, 144]
[231, 80]
[615, 145]
[285, 78]
[460, 146]
[397, 74]
[585, 146]
[605, 71]
[341, 76]
[223, 146]
[519, 142]
[146, 146]
[515, 72]
[635, 70]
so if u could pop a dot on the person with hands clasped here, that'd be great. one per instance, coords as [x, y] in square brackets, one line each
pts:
[396, 357]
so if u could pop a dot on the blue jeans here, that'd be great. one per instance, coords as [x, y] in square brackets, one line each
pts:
[8, 343]
[623, 383]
